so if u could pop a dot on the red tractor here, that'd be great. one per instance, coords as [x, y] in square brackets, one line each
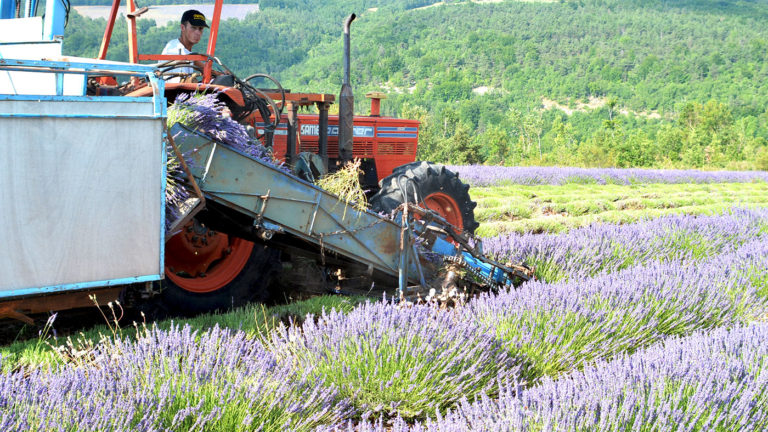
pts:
[210, 267]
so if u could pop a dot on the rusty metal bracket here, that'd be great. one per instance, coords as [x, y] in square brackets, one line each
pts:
[137, 13]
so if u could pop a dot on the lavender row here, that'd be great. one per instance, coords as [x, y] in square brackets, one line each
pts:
[481, 175]
[170, 380]
[390, 361]
[596, 248]
[555, 328]
[704, 382]
[405, 362]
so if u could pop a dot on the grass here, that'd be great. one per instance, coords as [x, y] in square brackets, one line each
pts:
[552, 208]
[254, 320]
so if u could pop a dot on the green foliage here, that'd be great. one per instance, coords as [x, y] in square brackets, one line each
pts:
[667, 83]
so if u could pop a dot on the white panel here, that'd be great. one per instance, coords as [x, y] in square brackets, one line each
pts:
[43, 83]
[21, 29]
[126, 107]
[80, 200]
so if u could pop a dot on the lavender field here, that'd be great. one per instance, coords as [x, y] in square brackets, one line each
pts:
[480, 175]
[650, 323]
[539, 199]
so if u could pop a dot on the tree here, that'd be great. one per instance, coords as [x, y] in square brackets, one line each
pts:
[496, 145]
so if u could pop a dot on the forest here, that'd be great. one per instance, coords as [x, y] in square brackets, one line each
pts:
[600, 83]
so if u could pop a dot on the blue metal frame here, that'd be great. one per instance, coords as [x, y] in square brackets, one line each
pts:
[92, 68]
[76, 286]
[159, 105]
[159, 111]
[29, 8]
[85, 68]
[55, 17]
[7, 9]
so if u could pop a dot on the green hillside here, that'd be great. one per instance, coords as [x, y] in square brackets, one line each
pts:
[590, 82]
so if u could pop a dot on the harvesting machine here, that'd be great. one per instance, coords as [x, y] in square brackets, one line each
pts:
[83, 185]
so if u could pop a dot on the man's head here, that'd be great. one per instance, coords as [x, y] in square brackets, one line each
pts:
[192, 25]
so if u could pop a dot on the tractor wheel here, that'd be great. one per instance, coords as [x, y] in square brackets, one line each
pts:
[207, 271]
[439, 188]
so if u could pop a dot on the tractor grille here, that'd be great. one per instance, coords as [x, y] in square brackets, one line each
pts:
[360, 149]
[397, 148]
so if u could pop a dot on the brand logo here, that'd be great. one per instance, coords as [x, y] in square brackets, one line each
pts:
[333, 130]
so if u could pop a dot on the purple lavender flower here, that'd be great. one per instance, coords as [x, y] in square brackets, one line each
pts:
[392, 361]
[481, 175]
[170, 380]
[206, 114]
[559, 327]
[703, 382]
[599, 248]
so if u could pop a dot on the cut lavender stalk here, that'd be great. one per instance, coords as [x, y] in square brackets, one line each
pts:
[206, 114]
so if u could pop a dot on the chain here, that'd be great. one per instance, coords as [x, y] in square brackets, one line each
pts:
[349, 231]
[459, 260]
[344, 231]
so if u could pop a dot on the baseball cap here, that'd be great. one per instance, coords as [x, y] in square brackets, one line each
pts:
[194, 17]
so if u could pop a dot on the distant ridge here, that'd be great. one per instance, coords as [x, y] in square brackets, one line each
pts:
[164, 14]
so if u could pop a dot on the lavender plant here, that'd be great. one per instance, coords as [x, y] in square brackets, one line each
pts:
[171, 380]
[560, 327]
[388, 361]
[600, 248]
[481, 175]
[704, 382]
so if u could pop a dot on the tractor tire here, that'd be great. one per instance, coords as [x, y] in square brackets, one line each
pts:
[439, 188]
[234, 272]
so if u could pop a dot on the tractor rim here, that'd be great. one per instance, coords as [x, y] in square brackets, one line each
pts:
[200, 260]
[447, 207]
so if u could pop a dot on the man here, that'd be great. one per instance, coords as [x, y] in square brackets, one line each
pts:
[192, 25]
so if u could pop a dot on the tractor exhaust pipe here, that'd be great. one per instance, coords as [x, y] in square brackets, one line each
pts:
[346, 102]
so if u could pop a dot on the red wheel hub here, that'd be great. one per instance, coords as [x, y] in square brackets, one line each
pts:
[447, 207]
[201, 260]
